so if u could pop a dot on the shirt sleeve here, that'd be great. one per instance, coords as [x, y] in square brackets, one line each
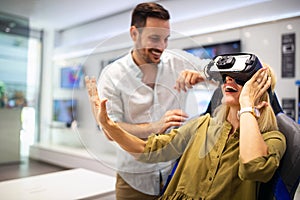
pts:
[263, 168]
[170, 146]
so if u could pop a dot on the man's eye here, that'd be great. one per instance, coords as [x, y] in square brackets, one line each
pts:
[155, 39]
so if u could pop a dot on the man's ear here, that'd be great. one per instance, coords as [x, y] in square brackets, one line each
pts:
[133, 33]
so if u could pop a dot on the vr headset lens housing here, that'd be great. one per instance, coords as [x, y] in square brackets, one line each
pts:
[240, 67]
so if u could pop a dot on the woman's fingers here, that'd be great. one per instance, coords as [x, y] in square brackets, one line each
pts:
[263, 81]
[255, 87]
[260, 77]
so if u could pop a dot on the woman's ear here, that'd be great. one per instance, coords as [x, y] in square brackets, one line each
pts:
[133, 33]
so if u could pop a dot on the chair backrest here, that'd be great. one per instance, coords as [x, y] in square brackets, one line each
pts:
[290, 163]
[287, 178]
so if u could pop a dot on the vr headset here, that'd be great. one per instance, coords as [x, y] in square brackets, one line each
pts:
[240, 66]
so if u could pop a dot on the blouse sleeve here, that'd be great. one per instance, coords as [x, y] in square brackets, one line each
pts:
[165, 147]
[263, 168]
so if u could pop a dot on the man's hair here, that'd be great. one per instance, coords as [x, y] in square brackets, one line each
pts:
[144, 10]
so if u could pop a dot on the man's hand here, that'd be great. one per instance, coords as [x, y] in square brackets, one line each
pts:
[171, 118]
[187, 79]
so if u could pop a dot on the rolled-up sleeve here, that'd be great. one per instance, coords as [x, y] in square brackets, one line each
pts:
[263, 168]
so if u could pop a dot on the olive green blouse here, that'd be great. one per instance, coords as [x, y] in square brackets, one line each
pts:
[209, 166]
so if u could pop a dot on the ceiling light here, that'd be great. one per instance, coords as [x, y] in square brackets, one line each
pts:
[289, 27]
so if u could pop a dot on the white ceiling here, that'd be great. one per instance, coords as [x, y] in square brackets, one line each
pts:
[75, 18]
[63, 14]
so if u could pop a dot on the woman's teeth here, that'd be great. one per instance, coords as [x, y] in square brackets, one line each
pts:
[230, 89]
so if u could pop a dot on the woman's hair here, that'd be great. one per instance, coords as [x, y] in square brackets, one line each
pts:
[144, 10]
[267, 120]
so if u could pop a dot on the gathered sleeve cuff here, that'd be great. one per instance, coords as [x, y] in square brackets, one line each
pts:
[263, 168]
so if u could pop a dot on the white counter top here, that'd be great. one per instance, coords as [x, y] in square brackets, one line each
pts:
[68, 184]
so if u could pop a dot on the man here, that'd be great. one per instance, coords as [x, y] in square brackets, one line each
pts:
[142, 98]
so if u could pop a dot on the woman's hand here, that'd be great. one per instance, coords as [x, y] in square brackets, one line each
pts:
[254, 89]
[98, 106]
[93, 96]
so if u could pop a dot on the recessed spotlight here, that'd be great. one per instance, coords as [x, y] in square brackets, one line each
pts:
[210, 39]
[289, 27]
[247, 34]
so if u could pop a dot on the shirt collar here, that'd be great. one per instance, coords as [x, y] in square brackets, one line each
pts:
[135, 68]
[227, 127]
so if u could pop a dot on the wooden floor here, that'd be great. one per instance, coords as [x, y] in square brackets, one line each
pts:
[27, 167]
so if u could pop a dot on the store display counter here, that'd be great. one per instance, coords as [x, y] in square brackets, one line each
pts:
[68, 184]
[72, 157]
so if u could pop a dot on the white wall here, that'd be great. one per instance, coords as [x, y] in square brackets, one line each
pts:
[265, 41]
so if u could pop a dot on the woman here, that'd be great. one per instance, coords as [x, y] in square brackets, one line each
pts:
[222, 157]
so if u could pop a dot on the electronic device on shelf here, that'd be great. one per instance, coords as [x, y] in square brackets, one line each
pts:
[64, 111]
[71, 77]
